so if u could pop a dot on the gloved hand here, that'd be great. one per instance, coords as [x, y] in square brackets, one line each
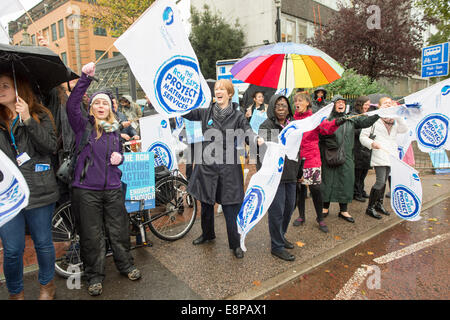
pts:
[89, 69]
[341, 120]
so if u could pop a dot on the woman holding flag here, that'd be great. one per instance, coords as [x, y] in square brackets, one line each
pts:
[97, 198]
[336, 151]
[384, 143]
[28, 138]
[214, 180]
[309, 149]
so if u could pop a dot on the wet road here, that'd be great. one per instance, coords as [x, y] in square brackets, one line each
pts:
[409, 261]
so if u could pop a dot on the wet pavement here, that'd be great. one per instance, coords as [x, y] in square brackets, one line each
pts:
[179, 271]
[408, 261]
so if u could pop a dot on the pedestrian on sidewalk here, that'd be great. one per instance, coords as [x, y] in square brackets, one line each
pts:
[336, 152]
[98, 201]
[361, 154]
[309, 149]
[279, 114]
[214, 180]
[28, 133]
[258, 104]
[382, 145]
[131, 110]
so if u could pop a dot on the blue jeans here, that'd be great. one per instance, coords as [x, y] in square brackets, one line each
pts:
[39, 221]
[280, 213]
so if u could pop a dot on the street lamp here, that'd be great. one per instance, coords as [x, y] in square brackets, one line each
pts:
[278, 21]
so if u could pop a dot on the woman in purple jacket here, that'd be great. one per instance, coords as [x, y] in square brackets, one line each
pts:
[97, 197]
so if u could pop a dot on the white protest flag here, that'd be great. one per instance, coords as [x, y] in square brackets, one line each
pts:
[430, 130]
[162, 59]
[261, 190]
[10, 6]
[156, 137]
[14, 192]
[406, 190]
[291, 135]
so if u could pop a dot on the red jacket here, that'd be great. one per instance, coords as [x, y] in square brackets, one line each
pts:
[309, 149]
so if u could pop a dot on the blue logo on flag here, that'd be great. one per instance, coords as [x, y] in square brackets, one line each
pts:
[432, 131]
[445, 90]
[280, 164]
[177, 85]
[164, 124]
[163, 155]
[416, 177]
[168, 16]
[405, 202]
[252, 206]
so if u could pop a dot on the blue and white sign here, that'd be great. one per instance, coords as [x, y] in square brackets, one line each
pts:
[161, 58]
[435, 60]
[157, 137]
[261, 190]
[258, 117]
[432, 131]
[406, 190]
[138, 173]
[14, 192]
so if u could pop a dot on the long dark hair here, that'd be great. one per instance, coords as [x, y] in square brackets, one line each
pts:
[360, 102]
[25, 91]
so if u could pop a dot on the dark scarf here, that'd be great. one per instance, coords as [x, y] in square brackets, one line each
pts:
[220, 114]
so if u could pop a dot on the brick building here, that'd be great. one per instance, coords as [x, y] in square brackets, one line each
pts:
[76, 43]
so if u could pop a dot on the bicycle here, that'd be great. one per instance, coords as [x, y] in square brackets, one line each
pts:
[171, 219]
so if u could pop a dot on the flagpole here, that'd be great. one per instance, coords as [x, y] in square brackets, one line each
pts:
[29, 16]
[107, 50]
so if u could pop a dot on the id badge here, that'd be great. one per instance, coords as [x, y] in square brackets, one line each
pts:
[22, 158]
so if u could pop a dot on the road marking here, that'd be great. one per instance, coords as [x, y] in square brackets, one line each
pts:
[411, 249]
[352, 285]
[349, 289]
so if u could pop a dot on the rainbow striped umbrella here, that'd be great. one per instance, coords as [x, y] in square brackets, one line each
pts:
[287, 65]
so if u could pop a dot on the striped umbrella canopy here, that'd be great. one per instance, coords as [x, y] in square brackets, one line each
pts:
[287, 65]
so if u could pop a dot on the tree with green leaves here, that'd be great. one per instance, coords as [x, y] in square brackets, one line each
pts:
[353, 83]
[212, 39]
[116, 16]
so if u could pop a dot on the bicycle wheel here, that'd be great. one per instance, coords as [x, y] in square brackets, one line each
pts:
[175, 210]
[67, 242]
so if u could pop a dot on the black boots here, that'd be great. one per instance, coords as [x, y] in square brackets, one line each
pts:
[373, 198]
[379, 204]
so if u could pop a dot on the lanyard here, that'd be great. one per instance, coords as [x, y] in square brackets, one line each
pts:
[12, 135]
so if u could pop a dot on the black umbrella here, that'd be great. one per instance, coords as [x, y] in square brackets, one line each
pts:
[41, 66]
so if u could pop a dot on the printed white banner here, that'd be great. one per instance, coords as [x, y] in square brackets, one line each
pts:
[430, 130]
[406, 190]
[162, 59]
[291, 135]
[156, 137]
[14, 192]
[261, 190]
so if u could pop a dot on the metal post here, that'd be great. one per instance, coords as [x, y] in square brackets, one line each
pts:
[278, 21]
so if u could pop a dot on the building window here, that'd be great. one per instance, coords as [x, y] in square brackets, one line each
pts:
[99, 31]
[61, 28]
[54, 34]
[98, 54]
[116, 53]
[287, 30]
[64, 57]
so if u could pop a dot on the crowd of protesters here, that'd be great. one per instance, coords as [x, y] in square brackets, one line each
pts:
[332, 163]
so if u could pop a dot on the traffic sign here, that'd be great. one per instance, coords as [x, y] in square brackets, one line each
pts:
[435, 60]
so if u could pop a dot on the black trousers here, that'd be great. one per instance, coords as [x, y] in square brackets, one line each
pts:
[360, 176]
[101, 215]
[230, 213]
[316, 197]
[343, 207]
